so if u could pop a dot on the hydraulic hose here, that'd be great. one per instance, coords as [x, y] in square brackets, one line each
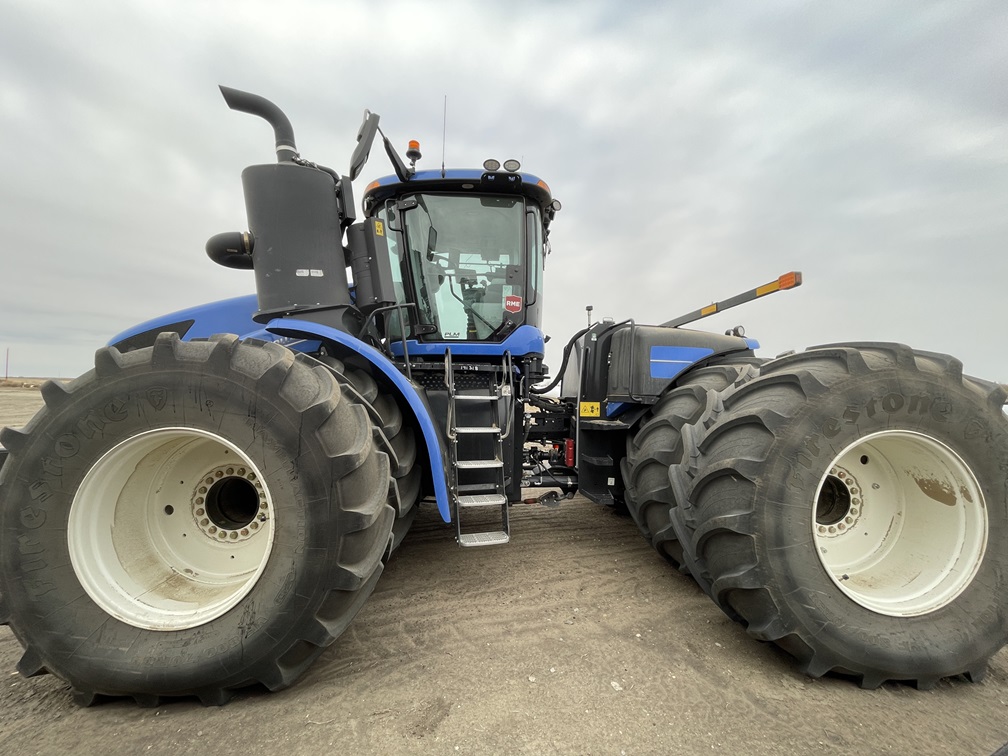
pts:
[563, 363]
[567, 353]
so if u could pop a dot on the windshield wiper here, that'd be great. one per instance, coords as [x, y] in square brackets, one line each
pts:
[470, 311]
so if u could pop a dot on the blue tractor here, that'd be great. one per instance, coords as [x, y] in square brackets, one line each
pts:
[211, 505]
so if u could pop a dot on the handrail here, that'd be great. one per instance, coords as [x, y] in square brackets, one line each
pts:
[398, 308]
[450, 385]
[509, 370]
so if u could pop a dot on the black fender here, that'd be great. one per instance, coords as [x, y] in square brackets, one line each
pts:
[625, 369]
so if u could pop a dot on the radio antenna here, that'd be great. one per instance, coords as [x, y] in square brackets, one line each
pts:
[444, 131]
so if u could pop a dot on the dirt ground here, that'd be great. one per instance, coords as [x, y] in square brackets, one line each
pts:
[574, 638]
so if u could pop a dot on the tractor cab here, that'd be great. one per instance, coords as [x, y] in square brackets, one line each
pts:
[466, 249]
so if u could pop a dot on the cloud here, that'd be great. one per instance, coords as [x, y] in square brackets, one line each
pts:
[699, 150]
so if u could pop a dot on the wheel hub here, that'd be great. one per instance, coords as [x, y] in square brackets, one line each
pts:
[229, 504]
[838, 506]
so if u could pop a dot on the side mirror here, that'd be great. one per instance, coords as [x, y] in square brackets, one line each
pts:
[365, 137]
[431, 242]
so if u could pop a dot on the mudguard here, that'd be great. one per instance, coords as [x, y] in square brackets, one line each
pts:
[200, 322]
[308, 331]
[235, 316]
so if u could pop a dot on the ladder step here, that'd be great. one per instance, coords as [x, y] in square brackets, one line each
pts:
[474, 488]
[477, 429]
[482, 500]
[478, 464]
[492, 538]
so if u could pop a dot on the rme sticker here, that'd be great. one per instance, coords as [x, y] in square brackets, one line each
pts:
[512, 303]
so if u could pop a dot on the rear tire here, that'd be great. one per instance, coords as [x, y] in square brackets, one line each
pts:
[655, 447]
[850, 506]
[190, 519]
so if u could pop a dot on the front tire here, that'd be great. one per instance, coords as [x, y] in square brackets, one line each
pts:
[850, 506]
[401, 443]
[191, 519]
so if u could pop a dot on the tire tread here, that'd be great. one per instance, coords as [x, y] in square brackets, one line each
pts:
[718, 482]
[352, 444]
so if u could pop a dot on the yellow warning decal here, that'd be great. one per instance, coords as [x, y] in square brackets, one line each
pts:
[379, 228]
[591, 409]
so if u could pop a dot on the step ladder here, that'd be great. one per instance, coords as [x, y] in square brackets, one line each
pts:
[476, 453]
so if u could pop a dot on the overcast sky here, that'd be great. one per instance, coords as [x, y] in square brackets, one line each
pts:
[699, 150]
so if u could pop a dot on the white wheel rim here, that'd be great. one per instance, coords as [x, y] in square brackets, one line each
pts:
[171, 529]
[899, 523]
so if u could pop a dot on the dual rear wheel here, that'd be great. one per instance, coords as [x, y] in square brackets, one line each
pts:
[849, 504]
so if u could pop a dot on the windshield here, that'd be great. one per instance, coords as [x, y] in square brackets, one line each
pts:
[465, 263]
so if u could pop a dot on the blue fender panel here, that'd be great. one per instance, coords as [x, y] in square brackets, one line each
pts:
[294, 328]
[226, 316]
[200, 322]
[670, 361]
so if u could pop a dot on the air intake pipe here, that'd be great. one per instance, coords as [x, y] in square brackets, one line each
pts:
[246, 102]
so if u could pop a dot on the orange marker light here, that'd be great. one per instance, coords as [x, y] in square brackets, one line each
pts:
[790, 280]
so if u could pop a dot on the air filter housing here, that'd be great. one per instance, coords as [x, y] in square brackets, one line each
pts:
[298, 258]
